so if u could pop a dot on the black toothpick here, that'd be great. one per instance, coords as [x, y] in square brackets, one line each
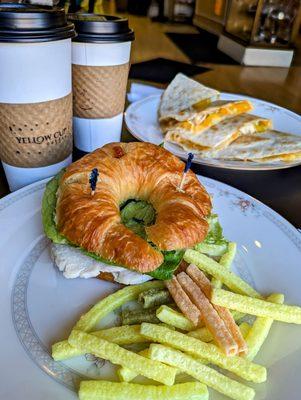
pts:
[186, 169]
[93, 180]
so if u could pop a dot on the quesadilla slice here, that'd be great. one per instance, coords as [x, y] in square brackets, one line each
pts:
[184, 94]
[218, 136]
[198, 121]
[265, 147]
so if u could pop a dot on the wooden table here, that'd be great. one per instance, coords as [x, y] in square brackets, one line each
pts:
[281, 189]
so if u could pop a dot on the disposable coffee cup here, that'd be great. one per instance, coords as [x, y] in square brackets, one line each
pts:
[35, 92]
[100, 66]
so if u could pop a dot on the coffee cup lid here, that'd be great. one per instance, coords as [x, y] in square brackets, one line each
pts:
[96, 28]
[23, 23]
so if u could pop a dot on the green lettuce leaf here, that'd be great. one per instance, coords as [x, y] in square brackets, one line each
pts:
[48, 210]
[215, 233]
[136, 215]
[171, 262]
[214, 244]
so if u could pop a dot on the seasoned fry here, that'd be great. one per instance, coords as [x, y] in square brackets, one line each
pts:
[200, 279]
[225, 261]
[238, 365]
[154, 298]
[213, 268]
[213, 250]
[118, 355]
[183, 301]
[126, 374]
[260, 329]
[130, 317]
[115, 300]
[244, 328]
[122, 335]
[202, 373]
[258, 307]
[205, 285]
[237, 315]
[229, 321]
[210, 316]
[205, 336]
[174, 318]
[104, 390]
[202, 334]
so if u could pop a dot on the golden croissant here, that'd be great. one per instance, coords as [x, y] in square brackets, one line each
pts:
[131, 171]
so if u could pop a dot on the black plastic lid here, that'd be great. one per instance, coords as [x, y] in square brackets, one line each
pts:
[23, 23]
[96, 28]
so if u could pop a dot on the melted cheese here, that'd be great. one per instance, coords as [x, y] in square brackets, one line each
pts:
[216, 116]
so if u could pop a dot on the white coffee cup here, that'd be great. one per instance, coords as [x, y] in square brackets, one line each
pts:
[100, 65]
[35, 92]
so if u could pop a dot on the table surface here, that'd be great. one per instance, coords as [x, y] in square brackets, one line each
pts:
[280, 189]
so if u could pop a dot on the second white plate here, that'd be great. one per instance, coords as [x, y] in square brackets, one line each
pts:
[141, 119]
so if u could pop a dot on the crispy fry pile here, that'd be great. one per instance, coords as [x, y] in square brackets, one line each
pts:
[191, 290]
[203, 330]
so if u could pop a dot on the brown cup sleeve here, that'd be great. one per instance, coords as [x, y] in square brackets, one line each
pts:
[36, 134]
[99, 91]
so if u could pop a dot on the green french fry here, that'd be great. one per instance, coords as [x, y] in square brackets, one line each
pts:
[104, 390]
[260, 329]
[201, 372]
[258, 307]
[120, 356]
[225, 261]
[238, 365]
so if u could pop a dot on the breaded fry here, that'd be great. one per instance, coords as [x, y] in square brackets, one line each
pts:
[258, 307]
[202, 334]
[238, 365]
[172, 317]
[260, 329]
[120, 356]
[104, 390]
[244, 328]
[87, 321]
[126, 374]
[183, 301]
[225, 261]
[122, 335]
[213, 268]
[210, 316]
[205, 285]
[201, 372]
[205, 336]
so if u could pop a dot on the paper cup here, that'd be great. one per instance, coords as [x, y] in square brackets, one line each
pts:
[35, 93]
[100, 66]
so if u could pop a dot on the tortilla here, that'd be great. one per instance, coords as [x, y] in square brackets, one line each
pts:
[183, 94]
[218, 111]
[265, 147]
[218, 136]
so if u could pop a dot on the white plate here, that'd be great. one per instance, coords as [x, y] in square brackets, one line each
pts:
[39, 306]
[141, 119]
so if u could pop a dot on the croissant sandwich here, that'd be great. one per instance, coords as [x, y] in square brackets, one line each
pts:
[122, 214]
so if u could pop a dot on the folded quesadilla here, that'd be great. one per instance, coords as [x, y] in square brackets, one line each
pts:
[184, 94]
[218, 136]
[218, 111]
[265, 147]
